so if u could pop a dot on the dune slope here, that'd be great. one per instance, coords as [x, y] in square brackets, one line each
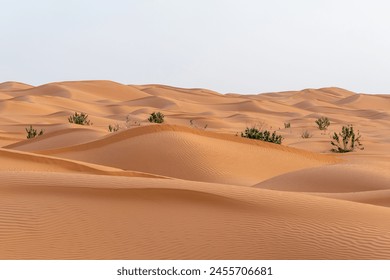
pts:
[137, 218]
[195, 155]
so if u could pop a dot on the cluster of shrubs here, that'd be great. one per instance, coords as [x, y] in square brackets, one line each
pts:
[263, 135]
[79, 118]
[345, 141]
[322, 123]
[32, 132]
[156, 117]
[113, 128]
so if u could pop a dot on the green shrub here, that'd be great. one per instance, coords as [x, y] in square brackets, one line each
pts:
[306, 134]
[113, 128]
[79, 118]
[323, 123]
[287, 125]
[263, 135]
[346, 140]
[156, 117]
[32, 133]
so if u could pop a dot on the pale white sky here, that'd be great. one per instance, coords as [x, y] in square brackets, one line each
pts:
[246, 46]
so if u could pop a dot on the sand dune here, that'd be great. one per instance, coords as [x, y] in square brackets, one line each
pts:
[334, 179]
[124, 218]
[16, 161]
[357, 183]
[191, 188]
[377, 197]
[201, 156]
[13, 86]
[379, 102]
[57, 139]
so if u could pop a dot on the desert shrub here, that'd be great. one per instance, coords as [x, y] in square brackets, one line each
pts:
[306, 134]
[32, 133]
[287, 125]
[263, 135]
[79, 118]
[322, 123]
[156, 117]
[113, 128]
[346, 140]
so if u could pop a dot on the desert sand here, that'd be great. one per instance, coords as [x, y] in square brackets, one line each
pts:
[191, 188]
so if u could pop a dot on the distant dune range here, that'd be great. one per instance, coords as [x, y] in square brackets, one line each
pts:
[191, 188]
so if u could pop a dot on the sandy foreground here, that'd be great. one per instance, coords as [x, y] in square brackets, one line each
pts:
[191, 188]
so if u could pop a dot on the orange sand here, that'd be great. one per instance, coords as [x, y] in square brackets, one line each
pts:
[182, 191]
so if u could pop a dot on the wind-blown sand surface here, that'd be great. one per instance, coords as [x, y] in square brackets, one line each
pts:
[191, 188]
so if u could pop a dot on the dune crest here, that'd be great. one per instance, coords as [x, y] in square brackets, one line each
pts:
[11, 86]
[202, 156]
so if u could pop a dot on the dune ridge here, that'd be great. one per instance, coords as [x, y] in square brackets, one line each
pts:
[202, 156]
[11, 86]
[59, 138]
[23, 161]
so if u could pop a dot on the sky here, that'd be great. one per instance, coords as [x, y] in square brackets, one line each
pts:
[246, 46]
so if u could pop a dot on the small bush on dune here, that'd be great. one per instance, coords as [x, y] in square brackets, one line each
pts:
[263, 135]
[113, 128]
[287, 125]
[79, 118]
[156, 117]
[32, 133]
[306, 134]
[346, 140]
[322, 123]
